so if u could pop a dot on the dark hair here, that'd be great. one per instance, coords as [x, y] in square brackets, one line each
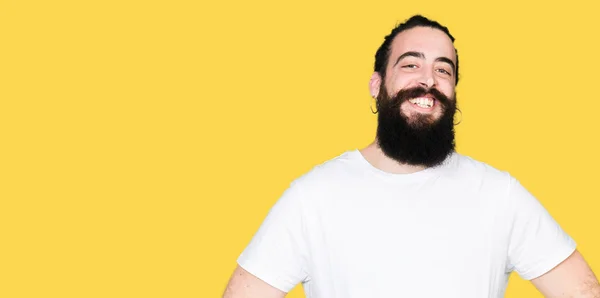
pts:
[383, 53]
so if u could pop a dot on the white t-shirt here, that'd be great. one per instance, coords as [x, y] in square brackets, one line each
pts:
[346, 229]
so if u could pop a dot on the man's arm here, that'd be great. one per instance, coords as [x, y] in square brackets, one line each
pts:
[571, 278]
[245, 285]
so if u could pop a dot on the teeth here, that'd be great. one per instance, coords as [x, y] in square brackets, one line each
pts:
[423, 102]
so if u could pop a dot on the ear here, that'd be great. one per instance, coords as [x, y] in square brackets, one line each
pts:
[374, 84]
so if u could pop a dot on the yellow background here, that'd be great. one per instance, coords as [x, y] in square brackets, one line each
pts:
[143, 142]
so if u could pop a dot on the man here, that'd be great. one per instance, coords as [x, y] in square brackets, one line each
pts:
[408, 216]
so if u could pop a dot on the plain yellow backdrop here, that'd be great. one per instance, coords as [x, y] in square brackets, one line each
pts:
[143, 142]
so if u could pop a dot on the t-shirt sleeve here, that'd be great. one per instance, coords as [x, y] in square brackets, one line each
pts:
[277, 252]
[537, 241]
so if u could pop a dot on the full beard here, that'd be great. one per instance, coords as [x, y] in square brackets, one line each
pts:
[419, 140]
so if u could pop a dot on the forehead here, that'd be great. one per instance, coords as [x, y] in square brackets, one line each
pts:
[432, 42]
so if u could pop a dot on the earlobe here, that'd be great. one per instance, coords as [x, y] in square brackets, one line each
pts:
[374, 84]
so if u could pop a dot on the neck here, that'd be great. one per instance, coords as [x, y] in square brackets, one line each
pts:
[375, 156]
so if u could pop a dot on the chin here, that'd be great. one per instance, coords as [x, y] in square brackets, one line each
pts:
[422, 118]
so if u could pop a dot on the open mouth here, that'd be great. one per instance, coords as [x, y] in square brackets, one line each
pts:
[423, 102]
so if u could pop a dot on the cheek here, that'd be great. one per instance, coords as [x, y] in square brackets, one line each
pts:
[398, 83]
[447, 89]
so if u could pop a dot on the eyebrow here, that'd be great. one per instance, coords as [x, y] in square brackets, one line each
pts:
[422, 56]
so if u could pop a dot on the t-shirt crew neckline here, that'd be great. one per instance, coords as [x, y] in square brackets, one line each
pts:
[397, 177]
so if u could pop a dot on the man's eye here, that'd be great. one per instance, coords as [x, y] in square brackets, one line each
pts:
[410, 66]
[444, 71]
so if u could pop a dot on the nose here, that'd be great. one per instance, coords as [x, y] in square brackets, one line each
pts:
[427, 83]
[426, 80]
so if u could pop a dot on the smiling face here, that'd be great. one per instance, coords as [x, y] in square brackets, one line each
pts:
[420, 57]
[416, 100]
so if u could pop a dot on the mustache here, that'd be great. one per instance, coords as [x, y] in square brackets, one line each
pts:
[406, 94]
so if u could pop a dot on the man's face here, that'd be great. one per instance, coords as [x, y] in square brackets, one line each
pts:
[420, 57]
[417, 102]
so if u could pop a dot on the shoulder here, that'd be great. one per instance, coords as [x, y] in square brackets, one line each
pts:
[480, 174]
[343, 164]
[341, 169]
[474, 168]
